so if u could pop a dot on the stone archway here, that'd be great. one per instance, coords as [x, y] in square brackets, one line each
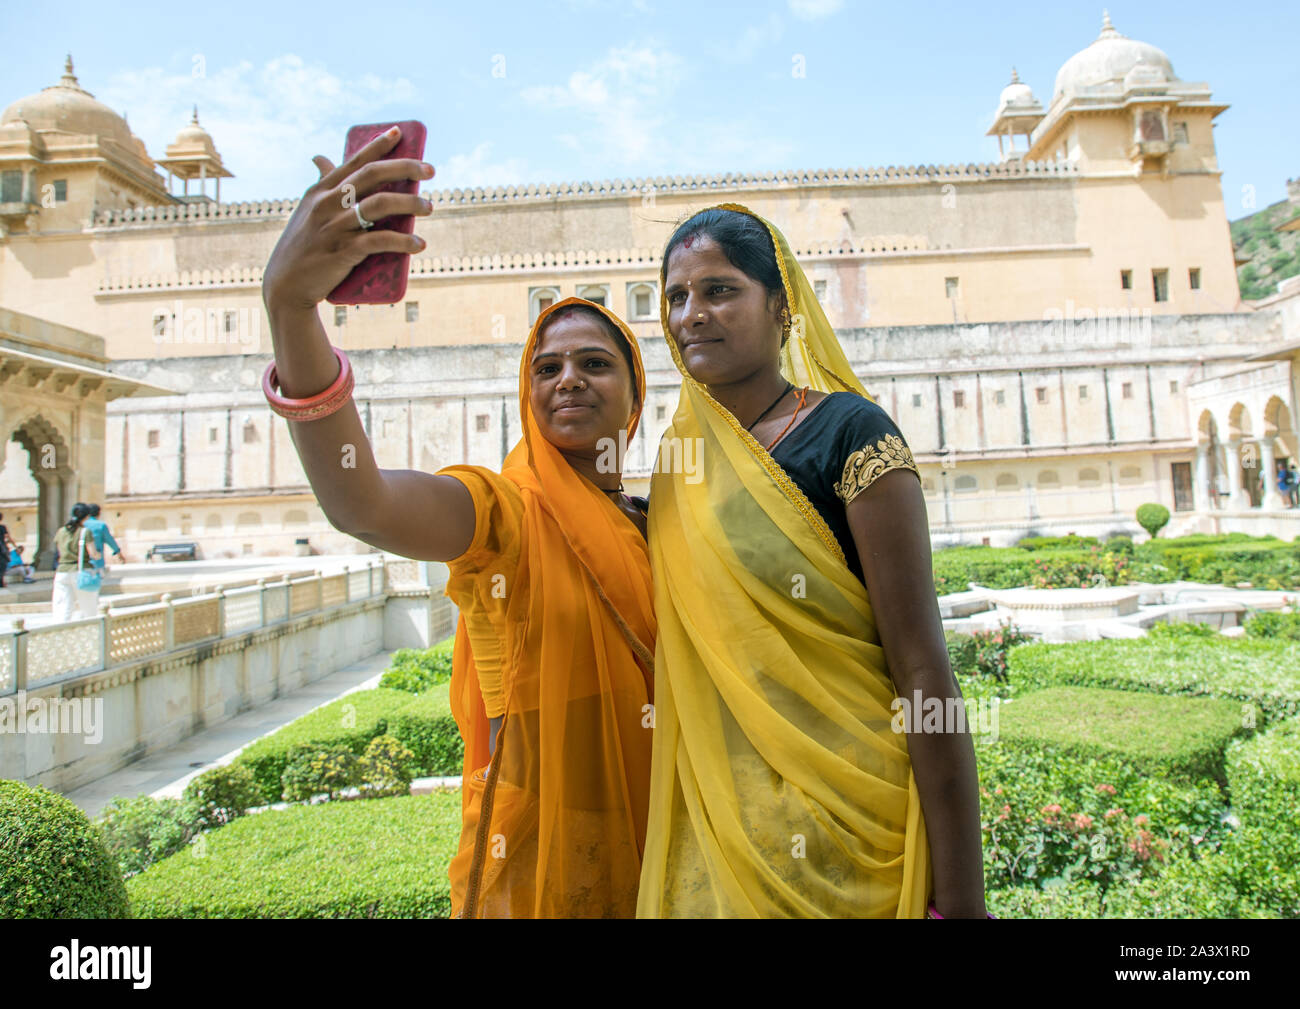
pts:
[50, 462]
[1242, 458]
[1277, 446]
[1209, 464]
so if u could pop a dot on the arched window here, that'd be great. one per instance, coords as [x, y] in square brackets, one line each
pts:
[597, 293]
[642, 301]
[1089, 477]
[295, 517]
[539, 300]
[965, 484]
[1008, 481]
[1130, 474]
[1049, 478]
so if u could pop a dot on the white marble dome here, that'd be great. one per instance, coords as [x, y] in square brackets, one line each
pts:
[1016, 93]
[1107, 61]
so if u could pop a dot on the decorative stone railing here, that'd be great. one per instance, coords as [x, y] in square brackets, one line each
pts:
[621, 188]
[44, 656]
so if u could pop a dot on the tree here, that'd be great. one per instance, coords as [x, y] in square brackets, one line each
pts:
[1153, 518]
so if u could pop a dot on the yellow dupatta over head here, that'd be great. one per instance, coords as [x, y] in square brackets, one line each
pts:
[556, 607]
[779, 788]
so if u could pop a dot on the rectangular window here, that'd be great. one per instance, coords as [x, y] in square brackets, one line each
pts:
[1083, 392]
[958, 398]
[1194, 278]
[544, 302]
[1126, 390]
[819, 289]
[950, 286]
[481, 422]
[412, 311]
[659, 412]
[1160, 284]
[230, 321]
[1180, 133]
[999, 397]
[11, 187]
[1041, 393]
[160, 325]
[642, 304]
[916, 399]
[60, 190]
[1126, 280]
[153, 439]
[212, 435]
[1173, 385]
[340, 315]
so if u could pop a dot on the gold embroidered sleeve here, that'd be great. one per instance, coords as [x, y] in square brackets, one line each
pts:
[866, 465]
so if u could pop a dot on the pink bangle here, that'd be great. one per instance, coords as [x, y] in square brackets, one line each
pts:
[313, 407]
[933, 912]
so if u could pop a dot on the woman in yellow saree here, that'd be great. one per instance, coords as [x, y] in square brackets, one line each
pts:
[780, 786]
[553, 669]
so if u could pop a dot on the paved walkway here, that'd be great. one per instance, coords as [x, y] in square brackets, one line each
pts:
[166, 773]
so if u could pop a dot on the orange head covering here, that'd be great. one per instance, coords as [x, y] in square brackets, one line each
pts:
[554, 824]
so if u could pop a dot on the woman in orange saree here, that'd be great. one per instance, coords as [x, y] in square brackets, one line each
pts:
[554, 648]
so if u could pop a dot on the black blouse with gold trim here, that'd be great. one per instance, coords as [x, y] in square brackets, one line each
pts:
[843, 446]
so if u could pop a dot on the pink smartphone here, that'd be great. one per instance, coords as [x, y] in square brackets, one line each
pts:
[380, 279]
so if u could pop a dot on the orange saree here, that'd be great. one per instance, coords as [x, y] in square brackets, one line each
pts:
[557, 628]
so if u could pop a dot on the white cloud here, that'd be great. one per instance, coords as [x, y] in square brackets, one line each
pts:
[814, 10]
[467, 171]
[258, 115]
[743, 47]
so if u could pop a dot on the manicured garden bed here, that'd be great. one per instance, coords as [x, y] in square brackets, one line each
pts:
[378, 858]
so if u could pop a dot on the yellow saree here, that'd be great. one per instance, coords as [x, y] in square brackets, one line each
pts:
[778, 788]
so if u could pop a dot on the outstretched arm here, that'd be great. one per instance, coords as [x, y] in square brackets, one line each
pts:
[892, 534]
[415, 514]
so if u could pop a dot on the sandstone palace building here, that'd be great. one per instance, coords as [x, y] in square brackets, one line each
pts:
[1059, 334]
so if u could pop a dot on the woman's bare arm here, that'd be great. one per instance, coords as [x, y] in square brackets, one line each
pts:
[892, 534]
[415, 514]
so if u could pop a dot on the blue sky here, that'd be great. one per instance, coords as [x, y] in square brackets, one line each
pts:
[593, 89]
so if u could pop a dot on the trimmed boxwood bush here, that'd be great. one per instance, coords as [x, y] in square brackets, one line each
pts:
[1274, 625]
[223, 793]
[352, 721]
[426, 727]
[1152, 517]
[1263, 673]
[418, 670]
[312, 769]
[53, 863]
[141, 830]
[1181, 737]
[382, 859]
[1264, 777]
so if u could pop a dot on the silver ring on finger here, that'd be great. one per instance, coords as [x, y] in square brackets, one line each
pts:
[365, 225]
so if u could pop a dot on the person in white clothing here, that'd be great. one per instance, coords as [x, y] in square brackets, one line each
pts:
[76, 550]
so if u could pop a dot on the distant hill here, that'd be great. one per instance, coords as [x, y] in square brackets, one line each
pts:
[1274, 255]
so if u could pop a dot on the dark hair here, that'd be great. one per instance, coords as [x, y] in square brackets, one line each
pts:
[79, 513]
[616, 334]
[94, 511]
[744, 240]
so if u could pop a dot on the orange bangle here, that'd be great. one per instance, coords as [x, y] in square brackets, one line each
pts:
[313, 407]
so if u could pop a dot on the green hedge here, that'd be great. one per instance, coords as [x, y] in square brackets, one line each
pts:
[381, 858]
[1183, 738]
[429, 731]
[1264, 777]
[417, 670]
[53, 863]
[352, 721]
[1262, 672]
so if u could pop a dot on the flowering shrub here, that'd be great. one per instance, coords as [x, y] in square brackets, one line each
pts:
[990, 649]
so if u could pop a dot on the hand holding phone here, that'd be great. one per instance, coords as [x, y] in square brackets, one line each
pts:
[324, 243]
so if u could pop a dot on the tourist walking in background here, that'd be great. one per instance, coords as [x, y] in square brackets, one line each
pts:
[6, 543]
[1293, 491]
[99, 529]
[76, 568]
